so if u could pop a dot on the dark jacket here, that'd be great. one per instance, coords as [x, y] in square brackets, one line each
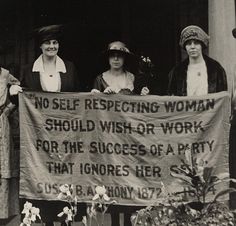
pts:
[217, 80]
[69, 80]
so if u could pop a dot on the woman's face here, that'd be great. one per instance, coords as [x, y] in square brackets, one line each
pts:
[50, 48]
[116, 60]
[193, 48]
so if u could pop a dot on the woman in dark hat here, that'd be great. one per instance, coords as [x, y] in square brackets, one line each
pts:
[117, 79]
[52, 74]
[198, 74]
[49, 72]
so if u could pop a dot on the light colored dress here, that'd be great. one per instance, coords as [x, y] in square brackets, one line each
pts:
[50, 82]
[9, 156]
[197, 79]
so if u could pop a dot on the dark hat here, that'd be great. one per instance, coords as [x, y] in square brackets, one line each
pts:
[118, 46]
[193, 32]
[234, 32]
[48, 33]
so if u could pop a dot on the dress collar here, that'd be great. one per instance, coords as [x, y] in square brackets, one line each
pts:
[38, 65]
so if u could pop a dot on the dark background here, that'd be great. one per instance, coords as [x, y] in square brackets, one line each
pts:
[148, 27]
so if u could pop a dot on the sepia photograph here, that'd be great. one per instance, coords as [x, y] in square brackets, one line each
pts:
[118, 113]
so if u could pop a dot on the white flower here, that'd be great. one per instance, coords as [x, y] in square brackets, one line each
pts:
[31, 213]
[65, 191]
[33, 217]
[66, 211]
[101, 193]
[26, 221]
[84, 220]
[27, 207]
[146, 59]
[69, 215]
[35, 213]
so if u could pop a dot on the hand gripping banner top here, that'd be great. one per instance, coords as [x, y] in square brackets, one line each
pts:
[130, 144]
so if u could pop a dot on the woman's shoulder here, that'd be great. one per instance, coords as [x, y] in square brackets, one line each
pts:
[104, 75]
[4, 72]
[212, 62]
[99, 77]
[130, 75]
[68, 64]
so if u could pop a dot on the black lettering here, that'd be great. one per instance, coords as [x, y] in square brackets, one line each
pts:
[40, 187]
[88, 104]
[41, 103]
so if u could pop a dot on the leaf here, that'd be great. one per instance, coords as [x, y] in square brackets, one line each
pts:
[220, 181]
[187, 167]
[106, 197]
[223, 176]
[182, 177]
[84, 221]
[207, 173]
[189, 157]
[95, 197]
[233, 180]
[224, 192]
[183, 192]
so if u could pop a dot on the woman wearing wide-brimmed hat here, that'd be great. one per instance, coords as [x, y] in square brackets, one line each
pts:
[198, 74]
[117, 79]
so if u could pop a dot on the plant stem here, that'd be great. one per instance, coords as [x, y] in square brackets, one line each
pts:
[102, 218]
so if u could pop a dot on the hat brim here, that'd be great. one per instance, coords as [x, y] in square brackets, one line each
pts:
[183, 44]
[49, 32]
[109, 51]
[131, 60]
[128, 55]
[234, 32]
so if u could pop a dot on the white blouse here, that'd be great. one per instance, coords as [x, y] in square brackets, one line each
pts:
[197, 79]
[50, 81]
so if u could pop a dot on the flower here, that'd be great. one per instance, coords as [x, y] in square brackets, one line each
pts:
[26, 222]
[146, 67]
[27, 207]
[146, 59]
[69, 211]
[101, 193]
[65, 192]
[100, 203]
[66, 211]
[35, 213]
[31, 213]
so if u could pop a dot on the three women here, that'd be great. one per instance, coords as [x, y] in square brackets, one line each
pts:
[198, 75]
